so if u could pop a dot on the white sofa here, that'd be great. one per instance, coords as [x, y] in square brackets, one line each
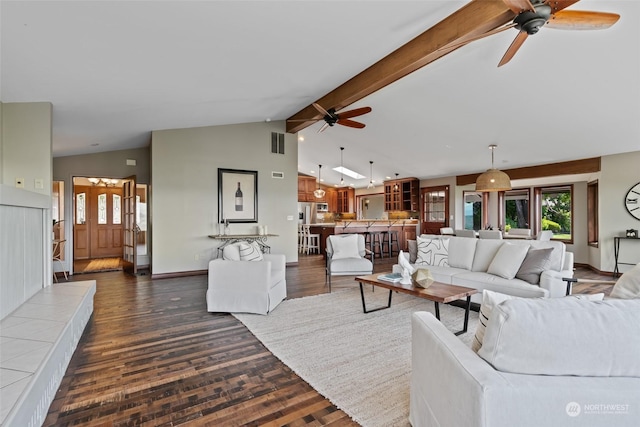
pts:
[483, 264]
[237, 285]
[544, 362]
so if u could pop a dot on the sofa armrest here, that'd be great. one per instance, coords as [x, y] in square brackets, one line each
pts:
[278, 261]
[241, 276]
[553, 282]
[446, 374]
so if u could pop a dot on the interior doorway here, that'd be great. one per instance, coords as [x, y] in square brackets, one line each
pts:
[100, 225]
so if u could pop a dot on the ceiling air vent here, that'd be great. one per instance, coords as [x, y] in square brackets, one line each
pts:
[277, 143]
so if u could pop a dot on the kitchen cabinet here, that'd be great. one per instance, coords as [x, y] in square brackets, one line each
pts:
[306, 187]
[345, 200]
[402, 194]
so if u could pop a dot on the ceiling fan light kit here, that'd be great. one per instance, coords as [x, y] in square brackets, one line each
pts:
[493, 179]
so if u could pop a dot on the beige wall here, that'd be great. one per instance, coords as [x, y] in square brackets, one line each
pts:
[184, 195]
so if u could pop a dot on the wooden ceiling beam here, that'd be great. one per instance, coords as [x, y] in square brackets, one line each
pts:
[473, 19]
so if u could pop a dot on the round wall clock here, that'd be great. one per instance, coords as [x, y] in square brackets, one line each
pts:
[632, 201]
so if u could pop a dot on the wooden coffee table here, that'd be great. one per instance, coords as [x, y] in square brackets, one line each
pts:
[437, 292]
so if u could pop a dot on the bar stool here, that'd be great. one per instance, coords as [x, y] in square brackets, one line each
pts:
[376, 243]
[367, 239]
[384, 243]
[311, 241]
[393, 240]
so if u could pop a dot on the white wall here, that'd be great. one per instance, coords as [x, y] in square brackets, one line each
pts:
[619, 173]
[184, 191]
[25, 214]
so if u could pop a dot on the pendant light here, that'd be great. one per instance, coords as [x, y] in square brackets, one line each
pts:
[319, 192]
[493, 179]
[370, 186]
[341, 166]
[396, 187]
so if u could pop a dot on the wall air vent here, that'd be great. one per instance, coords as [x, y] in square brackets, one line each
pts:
[278, 175]
[277, 143]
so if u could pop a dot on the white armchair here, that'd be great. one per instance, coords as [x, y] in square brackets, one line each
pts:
[346, 256]
[237, 286]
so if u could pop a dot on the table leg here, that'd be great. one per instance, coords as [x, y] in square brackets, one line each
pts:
[466, 317]
[364, 305]
[616, 252]
[437, 309]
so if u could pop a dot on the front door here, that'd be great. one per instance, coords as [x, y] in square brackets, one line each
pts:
[98, 222]
[434, 209]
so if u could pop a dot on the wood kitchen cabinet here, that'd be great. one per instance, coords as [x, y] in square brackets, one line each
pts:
[306, 187]
[402, 194]
[345, 200]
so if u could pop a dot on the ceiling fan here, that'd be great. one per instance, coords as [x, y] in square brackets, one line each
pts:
[532, 15]
[331, 117]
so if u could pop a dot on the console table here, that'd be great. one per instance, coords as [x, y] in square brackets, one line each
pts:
[616, 252]
[260, 239]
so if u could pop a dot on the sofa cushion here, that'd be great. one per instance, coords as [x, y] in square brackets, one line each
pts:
[345, 246]
[250, 251]
[461, 252]
[433, 251]
[536, 261]
[491, 299]
[536, 337]
[628, 285]
[557, 255]
[486, 250]
[413, 250]
[508, 260]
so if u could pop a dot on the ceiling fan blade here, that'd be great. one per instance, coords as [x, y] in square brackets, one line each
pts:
[582, 20]
[481, 36]
[350, 123]
[515, 45]
[353, 113]
[320, 109]
[324, 126]
[518, 6]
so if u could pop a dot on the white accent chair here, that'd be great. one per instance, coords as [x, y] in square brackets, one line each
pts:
[544, 235]
[237, 286]
[466, 233]
[447, 231]
[346, 256]
[490, 234]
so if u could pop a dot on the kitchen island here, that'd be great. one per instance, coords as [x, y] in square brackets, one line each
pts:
[406, 228]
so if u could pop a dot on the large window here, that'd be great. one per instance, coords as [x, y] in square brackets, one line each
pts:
[474, 210]
[554, 211]
[516, 209]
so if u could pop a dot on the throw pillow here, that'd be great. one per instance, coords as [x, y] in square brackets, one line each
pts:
[413, 250]
[250, 252]
[345, 246]
[508, 260]
[628, 285]
[433, 251]
[461, 252]
[536, 261]
[491, 299]
[231, 252]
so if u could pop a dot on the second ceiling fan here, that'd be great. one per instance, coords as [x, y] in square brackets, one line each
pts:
[331, 117]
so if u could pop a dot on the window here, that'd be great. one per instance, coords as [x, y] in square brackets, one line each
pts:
[81, 208]
[474, 210]
[102, 208]
[592, 213]
[516, 209]
[117, 212]
[554, 211]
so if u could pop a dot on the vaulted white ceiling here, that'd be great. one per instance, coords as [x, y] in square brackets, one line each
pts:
[116, 70]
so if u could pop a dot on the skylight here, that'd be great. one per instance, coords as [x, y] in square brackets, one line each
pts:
[348, 172]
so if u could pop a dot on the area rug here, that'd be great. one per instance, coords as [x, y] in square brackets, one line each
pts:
[360, 362]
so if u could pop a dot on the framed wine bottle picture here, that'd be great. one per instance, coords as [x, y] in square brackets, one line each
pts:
[237, 195]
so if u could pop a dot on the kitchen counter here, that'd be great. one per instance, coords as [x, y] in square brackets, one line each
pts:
[406, 228]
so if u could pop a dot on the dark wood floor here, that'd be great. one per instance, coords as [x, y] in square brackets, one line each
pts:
[152, 355]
